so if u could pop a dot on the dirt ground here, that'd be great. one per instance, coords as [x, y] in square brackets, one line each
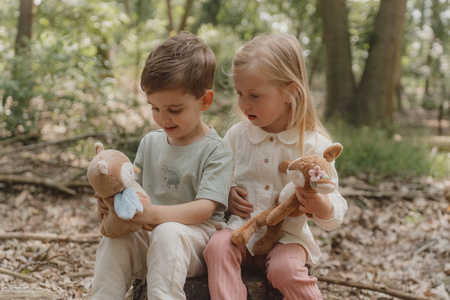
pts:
[395, 234]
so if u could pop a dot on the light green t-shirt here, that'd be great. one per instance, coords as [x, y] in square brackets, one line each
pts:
[179, 174]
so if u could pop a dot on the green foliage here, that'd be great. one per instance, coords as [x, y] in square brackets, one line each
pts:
[82, 73]
[377, 152]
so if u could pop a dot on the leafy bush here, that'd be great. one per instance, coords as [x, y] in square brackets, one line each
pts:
[380, 153]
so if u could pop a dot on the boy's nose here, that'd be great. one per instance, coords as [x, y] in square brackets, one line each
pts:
[164, 118]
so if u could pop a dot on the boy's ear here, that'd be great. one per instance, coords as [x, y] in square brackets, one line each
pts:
[207, 100]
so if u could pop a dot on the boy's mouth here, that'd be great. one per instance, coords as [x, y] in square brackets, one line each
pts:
[251, 117]
[169, 129]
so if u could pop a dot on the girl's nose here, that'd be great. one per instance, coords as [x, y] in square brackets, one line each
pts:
[244, 103]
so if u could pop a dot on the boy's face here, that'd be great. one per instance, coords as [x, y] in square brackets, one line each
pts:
[180, 115]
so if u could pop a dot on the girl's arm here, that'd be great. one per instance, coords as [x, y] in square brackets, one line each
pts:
[194, 212]
[315, 203]
[325, 217]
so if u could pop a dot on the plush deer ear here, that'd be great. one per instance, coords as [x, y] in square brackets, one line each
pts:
[284, 165]
[99, 148]
[332, 152]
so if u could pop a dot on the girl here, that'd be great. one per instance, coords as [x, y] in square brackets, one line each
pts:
[270, 79]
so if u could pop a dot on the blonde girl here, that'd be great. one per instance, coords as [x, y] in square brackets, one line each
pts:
[281, 123]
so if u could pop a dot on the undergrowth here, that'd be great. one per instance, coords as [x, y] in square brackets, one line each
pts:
[381, 153]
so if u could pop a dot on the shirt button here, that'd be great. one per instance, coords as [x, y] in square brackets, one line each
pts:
[266, 160]
[271, 139]
[267, 187]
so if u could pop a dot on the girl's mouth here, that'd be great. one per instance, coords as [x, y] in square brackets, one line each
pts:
[251, 117]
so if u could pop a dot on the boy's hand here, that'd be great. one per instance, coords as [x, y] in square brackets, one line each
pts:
[147, 217]
[102, 209]
[237, 203]
[315, 203]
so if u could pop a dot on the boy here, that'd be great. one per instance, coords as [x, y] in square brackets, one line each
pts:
[185, 169]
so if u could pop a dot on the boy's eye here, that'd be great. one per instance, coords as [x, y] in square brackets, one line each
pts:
[254, 96]
[173, 111]
[155, 108]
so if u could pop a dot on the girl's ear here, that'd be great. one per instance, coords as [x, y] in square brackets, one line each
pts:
[207, 100]
[293, 90]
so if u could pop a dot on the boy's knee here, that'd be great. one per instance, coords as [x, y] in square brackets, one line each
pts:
[167, 232]
[117, 243]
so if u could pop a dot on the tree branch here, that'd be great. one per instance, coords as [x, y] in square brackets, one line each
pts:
[45, 144]
[48, 237]
[28, 294]
[62, 186]
[17, 275]
[372, 287]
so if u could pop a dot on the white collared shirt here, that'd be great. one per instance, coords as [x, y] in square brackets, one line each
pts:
[256, 157]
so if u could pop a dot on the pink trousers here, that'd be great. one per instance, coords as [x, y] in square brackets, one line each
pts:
[284, 265]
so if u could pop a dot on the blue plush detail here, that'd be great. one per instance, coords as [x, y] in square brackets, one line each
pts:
[127, 203]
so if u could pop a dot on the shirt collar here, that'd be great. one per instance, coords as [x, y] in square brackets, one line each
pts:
[256, 135]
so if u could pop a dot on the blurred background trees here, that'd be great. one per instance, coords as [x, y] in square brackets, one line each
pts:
[70, 67]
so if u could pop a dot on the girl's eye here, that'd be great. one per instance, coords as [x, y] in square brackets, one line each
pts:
[155, 108]
[254, 96]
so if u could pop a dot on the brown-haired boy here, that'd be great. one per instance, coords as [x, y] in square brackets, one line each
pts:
[185, 169]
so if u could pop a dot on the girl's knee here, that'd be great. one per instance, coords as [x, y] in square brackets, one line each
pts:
[219, 245]
[286, 259]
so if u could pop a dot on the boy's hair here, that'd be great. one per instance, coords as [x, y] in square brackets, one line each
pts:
[279, 59]
[182, 62]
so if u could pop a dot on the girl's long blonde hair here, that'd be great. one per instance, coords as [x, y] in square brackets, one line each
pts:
[279, 59]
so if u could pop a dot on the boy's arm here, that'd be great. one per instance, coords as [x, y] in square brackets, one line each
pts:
[193, 212]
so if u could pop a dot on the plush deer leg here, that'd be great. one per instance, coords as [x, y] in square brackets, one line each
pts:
[268, 241]
[241, 235]
[283, 210]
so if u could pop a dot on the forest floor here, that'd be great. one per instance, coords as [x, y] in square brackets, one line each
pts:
[395, 235]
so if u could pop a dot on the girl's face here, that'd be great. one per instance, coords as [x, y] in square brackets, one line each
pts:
[262, 102]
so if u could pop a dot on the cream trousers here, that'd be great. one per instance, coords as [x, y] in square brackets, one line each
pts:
[165, 256]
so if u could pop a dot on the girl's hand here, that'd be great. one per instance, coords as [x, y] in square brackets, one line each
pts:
[102, 209]
[237, 203]
[148, 216]
[315, 203]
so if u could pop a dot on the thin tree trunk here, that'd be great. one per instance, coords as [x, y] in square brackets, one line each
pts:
[187, 13]
[340, 78]
[25, 26]
[169, 15]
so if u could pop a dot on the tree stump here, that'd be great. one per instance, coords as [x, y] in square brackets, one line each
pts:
[258, 287]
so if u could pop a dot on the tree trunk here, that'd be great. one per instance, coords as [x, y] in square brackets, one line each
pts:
[25, 26]
[187, 13]
[340, 79]
[377, 87]
[169, 15]
[372, 101]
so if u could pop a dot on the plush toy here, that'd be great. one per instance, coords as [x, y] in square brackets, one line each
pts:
[313, 173]
[112, 176]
